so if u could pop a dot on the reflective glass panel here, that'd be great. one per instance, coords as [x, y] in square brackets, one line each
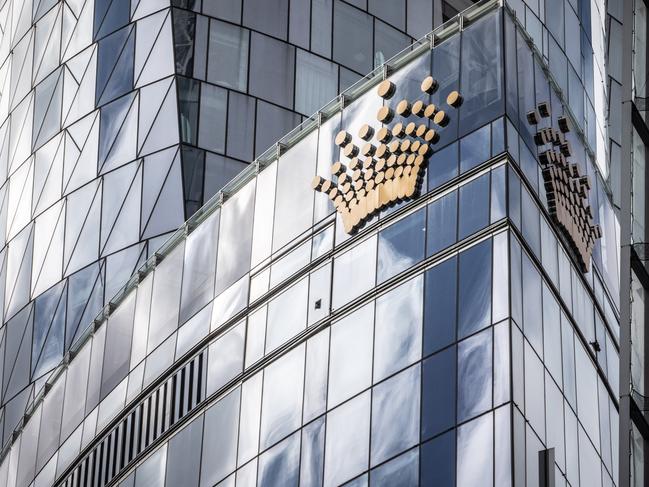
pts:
[401, 245]
[474, 289]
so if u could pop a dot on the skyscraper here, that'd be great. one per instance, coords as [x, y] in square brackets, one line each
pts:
[418, 285]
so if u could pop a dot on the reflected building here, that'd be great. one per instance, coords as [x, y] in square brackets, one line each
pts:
[443, 309]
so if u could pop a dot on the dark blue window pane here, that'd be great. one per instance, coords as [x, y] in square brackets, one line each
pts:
[442, 223]
[438, 461]
[442, 166]
[115, 66]
[474, 290]
[482, 76]
[110, 15]
[401, 245]
[474, 206]
[438, 399]
[497, 137]
[439, 308]
[475, 148]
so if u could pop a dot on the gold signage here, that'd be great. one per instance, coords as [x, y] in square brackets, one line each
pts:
[566, 188]
[377, 175]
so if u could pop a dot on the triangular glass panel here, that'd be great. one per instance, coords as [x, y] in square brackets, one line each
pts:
[85, 298]
[19, 265]
[116, 186]
[115, 78]
[110, 15]
[48, 167]
[168, 212]
[163, 133]
[156, 169]
[48, 253]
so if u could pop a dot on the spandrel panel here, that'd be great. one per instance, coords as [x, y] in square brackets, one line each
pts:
[283, 393]
[294, 195]
[200, 267]
[398, 328]
[395, 415]
[347, 440]
[235, 242]
[165, 298]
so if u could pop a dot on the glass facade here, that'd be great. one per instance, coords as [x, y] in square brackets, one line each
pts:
[453, 340]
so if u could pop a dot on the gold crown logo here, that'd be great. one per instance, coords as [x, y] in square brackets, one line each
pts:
[566, 188]
[381, 175]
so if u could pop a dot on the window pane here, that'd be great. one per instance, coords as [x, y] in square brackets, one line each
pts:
[183, 464]
[165, 300]
[315, 382]
[440, 306]
[474, 375]
[267, 16]
[280, 466]
[443, 166]
[401, 245]
[152, 472]
[438, 460]
[397, 338]
[474, 291]
[438, 401]
[475, 148]
[235, 242]
[214, 107]
[225, 358]
[442, 223]
[395, 415]
[474, 206]
[283, 390]
[347, 442]
[312, 461]
[287, 315]
[352, 38]
[475, 453]
[481, 73]
[350, 361]
[228, 55]
[354, 272]
[199, 268]
[118, 340]
[403, 471]
[220, 439]
[272, 64]
[316, 82]
[532, 308]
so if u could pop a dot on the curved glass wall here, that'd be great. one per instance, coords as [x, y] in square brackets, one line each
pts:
[268, 347]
